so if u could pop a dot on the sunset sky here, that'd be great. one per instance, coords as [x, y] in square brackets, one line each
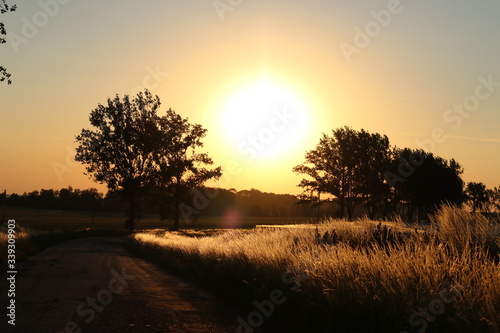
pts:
[266, 78]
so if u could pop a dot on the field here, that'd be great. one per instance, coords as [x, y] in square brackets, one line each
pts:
[346, 277]
[43, 219]
[336, 276]
[40, 228]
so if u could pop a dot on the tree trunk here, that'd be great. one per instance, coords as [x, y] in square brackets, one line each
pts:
[319, 204]
[351, 206]
[410, 212]
[342, 206]
[176, 215]
[177, 203]
[130, 222]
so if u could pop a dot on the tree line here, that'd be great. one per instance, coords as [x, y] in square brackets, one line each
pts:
[358, 169]
[248, 203]
[65, 199]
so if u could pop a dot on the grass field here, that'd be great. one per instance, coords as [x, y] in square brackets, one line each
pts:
[337, 276]
[37, 229]
[42, 219]
[347, 277]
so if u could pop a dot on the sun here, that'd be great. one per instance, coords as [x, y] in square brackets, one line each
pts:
[264, 121]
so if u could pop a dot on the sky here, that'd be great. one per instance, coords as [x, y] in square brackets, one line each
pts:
[265, 78]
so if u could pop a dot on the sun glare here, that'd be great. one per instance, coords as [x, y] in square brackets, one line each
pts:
[264, 121]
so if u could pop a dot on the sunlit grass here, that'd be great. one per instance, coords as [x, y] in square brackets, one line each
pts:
[361, 276]
[27, 241]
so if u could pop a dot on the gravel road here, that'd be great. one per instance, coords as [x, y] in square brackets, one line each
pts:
[96, 285]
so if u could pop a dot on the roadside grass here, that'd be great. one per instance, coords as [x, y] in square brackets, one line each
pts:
[361, 276]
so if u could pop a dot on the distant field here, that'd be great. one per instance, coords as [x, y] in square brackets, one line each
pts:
[44, 219]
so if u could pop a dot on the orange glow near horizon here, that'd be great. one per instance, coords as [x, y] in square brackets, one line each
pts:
[266, 82]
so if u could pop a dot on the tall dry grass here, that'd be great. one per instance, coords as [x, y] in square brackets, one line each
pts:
[24, 244]
[353, 277]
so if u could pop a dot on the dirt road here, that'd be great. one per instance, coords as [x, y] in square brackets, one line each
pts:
[95, 285]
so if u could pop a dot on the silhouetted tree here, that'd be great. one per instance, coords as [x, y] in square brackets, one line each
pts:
[4, 8]
[477, 195]
[15, 200]
[432, 182]
[180, 167]
[112, 202]
[90, 199]
[348, 165]
[374, 156]
[32, 199]
[220, 204]
[133, 150]
[48, 199]
[121, 151]
[494, 196]
[65, 198]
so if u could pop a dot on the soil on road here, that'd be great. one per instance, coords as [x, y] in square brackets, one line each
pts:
[96, 285]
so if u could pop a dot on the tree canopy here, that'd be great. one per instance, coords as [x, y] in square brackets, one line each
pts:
[478, 195]
[4, 8]
[429, 182]
[349, 165]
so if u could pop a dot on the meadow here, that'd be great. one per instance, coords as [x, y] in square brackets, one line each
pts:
[37, 229]
[341, 276]
[47, 219]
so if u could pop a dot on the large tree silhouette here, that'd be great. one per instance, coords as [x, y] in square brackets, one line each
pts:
[180, 167]
[4, 8]
[140, 154]
[121, 150]
[429, 184]
[348, 165]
